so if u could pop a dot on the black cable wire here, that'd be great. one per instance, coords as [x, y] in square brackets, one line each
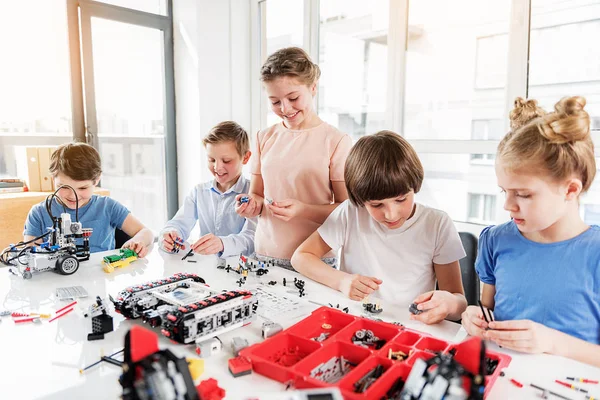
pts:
[4, 256]
[51, 197]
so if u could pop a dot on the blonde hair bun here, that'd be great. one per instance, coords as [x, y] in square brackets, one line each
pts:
[568, 123]
[523, 112]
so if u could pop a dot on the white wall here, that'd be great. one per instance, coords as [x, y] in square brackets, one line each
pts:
[212, 77]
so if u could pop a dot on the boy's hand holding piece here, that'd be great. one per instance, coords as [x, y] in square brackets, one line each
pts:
[436, 306]
[208, 244]
[168, 240]
[140, 248]
[357, 287]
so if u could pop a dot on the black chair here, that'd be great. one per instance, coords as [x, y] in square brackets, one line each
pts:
[120, 238]
[470, 278]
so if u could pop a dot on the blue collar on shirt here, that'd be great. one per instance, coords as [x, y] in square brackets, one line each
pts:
[237, 188]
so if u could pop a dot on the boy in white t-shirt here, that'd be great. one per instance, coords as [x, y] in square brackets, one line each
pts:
[390, 244]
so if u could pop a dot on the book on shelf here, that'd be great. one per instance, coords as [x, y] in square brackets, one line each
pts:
[4, 184]
[12, 189]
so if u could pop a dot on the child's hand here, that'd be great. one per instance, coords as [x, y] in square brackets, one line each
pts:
[140, 248]
[249, 209]
[523, 335]
[357, 287]
[436, 305]
[168, 240]
[473, 321]
[208, 244]
[286, 209]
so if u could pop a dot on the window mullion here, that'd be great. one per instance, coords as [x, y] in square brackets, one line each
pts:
[518, 54]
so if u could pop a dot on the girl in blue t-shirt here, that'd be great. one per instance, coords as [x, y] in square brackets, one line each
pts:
[541, 271]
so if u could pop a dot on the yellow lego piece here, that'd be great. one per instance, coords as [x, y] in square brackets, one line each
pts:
[196, 366]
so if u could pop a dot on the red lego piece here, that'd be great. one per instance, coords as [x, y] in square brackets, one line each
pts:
[239, 366]
[143, 342]
[210, 390]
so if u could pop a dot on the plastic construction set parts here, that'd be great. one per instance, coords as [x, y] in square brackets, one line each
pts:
[246, 264]
[102, 322]
[186, 308]
[59, 253]
[177, 245]
[414, 310]
[372, 308]
[272, 304]
[368, 359]
[123, 259]
[21, 317]
[158, 374]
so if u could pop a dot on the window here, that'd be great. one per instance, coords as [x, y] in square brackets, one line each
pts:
[486, 130]
[564, 62]
[456, 84]
[456, 63]
[149, 6]
[35, 97]
[284, 27]
[353, 61]
[482, 208]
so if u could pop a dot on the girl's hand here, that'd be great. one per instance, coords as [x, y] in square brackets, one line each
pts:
[436, 305]
[357, 287]
[140, 248]
[249, 209]
[473, 321]
[168, 240]
[522, 335]
[286, 209]
[208, 244]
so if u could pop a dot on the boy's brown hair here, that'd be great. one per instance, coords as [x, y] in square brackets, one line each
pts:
[229, 131]
[78, 161]
[382, 166]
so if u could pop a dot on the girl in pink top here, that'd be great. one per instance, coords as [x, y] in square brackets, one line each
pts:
[297, 165]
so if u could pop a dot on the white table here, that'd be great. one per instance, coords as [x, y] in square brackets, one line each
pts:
[43, 360]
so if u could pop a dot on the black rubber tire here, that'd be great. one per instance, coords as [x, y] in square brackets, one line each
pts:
[67, 265]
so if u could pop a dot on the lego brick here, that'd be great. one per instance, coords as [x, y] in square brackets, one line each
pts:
[102, 323]
[239, 366]
[95, 336]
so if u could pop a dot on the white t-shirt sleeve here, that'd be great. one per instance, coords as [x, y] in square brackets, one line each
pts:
[333, 230]
[448, 247]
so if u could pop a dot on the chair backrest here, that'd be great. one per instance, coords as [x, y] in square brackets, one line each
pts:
[467, 268]
[120, 238]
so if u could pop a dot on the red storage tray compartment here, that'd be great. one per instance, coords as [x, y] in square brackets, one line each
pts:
[383, 331]
[293, 355]
[275, 357]
[323, 320]
[347, 384]
[319, 360]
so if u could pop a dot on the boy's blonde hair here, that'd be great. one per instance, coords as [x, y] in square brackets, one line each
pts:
[78, 161]
[229, 131]
[557, 144]
[292, 62]
[382, 166]
[523, 112]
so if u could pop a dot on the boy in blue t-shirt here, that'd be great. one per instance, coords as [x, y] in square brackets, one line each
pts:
[78, 165]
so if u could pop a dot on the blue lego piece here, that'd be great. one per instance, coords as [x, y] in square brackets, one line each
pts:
[244, 199]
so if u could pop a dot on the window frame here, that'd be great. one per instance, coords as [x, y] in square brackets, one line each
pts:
[516, 85]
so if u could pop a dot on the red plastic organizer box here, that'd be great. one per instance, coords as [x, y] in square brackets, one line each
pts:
[292, 354]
